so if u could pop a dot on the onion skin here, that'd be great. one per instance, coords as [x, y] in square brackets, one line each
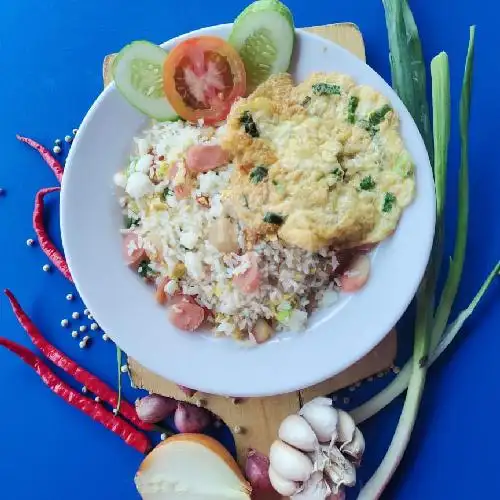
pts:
[190, 418]
[257, 472]
[187, 391]
[155, 408]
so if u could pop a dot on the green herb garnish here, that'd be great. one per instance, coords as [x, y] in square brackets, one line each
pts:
[131, 221]
[272, 218]
[338, 173]
[145, 270]
[325, 89]
[245, 201]
[306, 101]
[250, 127]
[258, 174]
[389, 200]
[352, 106]
[367, 184]
[166, 192]
[377, 117]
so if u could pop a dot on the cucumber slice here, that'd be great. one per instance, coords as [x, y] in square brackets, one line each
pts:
[263, 34]
[138, 74]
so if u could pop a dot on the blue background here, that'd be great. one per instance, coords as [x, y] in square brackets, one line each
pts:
[51, 55]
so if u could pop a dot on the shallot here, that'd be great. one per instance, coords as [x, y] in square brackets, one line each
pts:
[257, 471]
[190, 418]
[155, 408]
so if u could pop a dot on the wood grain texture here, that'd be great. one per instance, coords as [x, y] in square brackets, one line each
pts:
[258, 418]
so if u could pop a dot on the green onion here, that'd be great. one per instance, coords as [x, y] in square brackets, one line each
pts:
[272, 218]
[429, 330]
[119, 362]
[389, 200]
[325, 89]
[258, 174]
[352, 106]
[407, 65]
[367, 183]
[400, 383]
[377, 117]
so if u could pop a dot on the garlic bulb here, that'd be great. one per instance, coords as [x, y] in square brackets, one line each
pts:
[322, 417]
[295, 431]
[290, 463]
[283, 486]
[317, 453]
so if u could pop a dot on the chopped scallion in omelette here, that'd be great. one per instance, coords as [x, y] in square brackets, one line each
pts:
[321, 163]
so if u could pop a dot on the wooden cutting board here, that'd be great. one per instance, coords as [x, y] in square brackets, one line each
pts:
[255, 421]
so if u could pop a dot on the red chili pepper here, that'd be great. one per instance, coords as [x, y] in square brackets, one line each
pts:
[93, 383]
[94, 410]
[43, 238]
[54, 165]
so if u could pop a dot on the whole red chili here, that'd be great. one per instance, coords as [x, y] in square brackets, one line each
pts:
[93, 383]
[43, 238]
[94, 410]
[54, 165]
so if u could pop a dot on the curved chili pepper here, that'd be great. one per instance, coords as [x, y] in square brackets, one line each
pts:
[94, 410]
[93, 383]
[54, 165]
[43, 238]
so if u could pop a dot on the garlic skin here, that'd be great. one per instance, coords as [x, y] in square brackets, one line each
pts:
[315, 488]
[290, 463]
[296, 432]
[283, 486]
[336, 468]
[355, 448]
[345, 427]
[322, 417]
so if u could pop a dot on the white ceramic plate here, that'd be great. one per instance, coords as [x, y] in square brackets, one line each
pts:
[125, 307]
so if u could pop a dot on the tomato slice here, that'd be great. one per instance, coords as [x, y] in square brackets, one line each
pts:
[202, 77]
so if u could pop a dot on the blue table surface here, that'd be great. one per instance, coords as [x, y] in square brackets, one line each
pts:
[51, 54]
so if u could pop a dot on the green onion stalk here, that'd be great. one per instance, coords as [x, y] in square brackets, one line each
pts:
[432, 333]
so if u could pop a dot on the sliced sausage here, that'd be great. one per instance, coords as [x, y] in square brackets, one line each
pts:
[160, 295]
[357, 275]
[133, 253]
[202, 158]
[187, 316]
[182, 191]
[249, 280]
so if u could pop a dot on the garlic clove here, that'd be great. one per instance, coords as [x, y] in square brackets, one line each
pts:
[295, 431]
[339, 470]
[355, 448]
[315, 488]
[345, 428]
[289, 462]
[283, 486]
[322, 417]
